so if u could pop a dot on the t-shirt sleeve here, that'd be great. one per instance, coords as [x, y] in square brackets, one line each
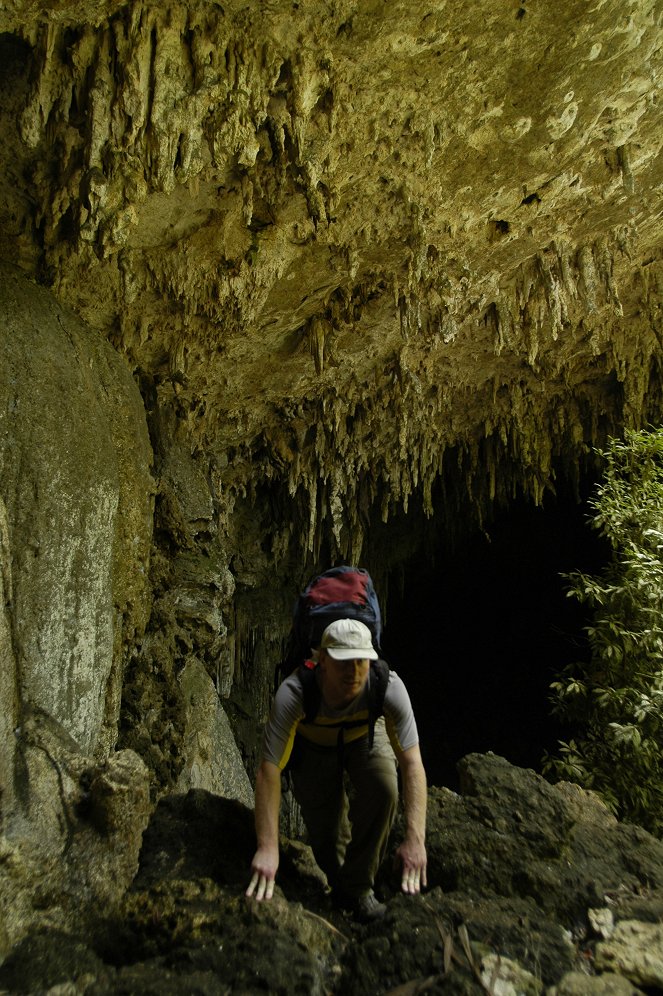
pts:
[398, 715]
[286, 714]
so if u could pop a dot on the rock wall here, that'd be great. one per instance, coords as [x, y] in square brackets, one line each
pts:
[76, 498]
[76, 528]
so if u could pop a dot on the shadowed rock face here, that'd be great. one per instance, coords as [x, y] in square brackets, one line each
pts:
[279, 282]
[185, 927]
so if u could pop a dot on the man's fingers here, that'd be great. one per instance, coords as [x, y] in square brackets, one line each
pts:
[252, 884]
[412, 880]
[266, 888]
[262, 886]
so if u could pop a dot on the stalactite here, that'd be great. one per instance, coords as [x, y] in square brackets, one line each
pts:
[169, 107]
[313, 510]
[318, 331]
[529, 432]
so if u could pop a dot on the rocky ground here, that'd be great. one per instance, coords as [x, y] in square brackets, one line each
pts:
[533, 889]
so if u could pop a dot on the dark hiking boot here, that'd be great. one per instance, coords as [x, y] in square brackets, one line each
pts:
[364, 909]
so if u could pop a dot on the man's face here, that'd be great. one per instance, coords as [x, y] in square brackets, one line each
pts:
[341, 681]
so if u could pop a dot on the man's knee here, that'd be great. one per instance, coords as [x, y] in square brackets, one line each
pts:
[385, 788]
[376, 790]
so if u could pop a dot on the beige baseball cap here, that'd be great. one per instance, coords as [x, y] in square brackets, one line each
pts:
[348, 639]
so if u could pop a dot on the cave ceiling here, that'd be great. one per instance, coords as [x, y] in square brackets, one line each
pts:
[338, 239]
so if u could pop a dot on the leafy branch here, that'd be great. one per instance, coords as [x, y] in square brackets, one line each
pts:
[615, 703]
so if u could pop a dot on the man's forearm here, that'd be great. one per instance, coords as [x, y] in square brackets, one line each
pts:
[415, 794]
[268, 804]
[412, 851]
[266, 859]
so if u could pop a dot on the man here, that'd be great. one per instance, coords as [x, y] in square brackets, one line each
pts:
[336, 743]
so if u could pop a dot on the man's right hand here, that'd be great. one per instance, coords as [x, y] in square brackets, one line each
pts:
[263, 866]
[266, 859]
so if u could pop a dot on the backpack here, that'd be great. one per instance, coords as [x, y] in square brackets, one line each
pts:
[339, 593]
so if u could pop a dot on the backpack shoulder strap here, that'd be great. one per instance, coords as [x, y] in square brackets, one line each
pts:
[311, 691]
[379, 679]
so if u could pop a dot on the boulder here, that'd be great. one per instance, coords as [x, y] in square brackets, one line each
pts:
[70, 853]
[512, 833]
[634, 950]
[211, 758]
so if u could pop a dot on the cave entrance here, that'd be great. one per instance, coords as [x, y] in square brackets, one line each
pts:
[480, 630]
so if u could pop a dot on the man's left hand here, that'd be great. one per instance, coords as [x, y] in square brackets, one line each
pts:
[412, 855]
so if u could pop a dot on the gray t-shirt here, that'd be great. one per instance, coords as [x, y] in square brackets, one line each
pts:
[287, 719]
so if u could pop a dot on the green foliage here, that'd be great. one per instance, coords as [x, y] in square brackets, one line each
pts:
[616, 701]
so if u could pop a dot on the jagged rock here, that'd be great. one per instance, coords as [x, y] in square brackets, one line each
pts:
[581, 984]
[601, 921]
[70, 852]
[53, 961]
[635, 950]
[184, 924]
[646, 905]
[117, 799]
[411, 942]
[506, 978]
[514, 834]
[212, 760]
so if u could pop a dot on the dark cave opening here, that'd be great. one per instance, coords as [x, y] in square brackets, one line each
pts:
[479, 631]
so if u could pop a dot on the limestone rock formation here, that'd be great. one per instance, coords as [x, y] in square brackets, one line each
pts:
[274, 278]
[77, 507]
[76, 526]
[70, 846]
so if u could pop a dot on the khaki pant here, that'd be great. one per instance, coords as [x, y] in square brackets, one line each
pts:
[348, 813]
